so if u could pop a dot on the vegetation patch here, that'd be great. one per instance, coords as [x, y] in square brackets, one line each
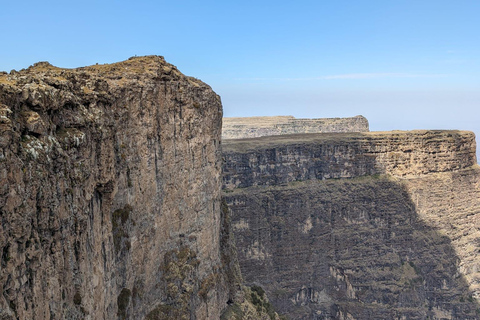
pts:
[120, 225]
[260, 301]
[233, 312]
[207, 284]
[123, 300]
[254, 306]
[180, 281]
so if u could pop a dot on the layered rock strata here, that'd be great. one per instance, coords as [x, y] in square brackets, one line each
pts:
[252, 127]
[359, 226]
[110, 182]
[282, 159]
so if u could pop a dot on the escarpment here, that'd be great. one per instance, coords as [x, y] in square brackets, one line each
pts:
[358, 225]
[110, 181]
[111, 207]
[253, 127]
[281, 159]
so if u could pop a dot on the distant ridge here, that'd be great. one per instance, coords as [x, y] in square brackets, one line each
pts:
[253, 127]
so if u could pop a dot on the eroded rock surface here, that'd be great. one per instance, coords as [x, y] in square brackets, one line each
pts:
[252, 127]
[110, 194]
[281, 159]
[359, 226]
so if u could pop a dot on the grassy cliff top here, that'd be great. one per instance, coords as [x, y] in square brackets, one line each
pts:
[134, 67]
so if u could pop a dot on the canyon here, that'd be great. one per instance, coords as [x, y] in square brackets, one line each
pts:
[122, 198]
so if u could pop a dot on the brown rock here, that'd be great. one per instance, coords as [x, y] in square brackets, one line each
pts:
[253, 127]
[282, 159]
[110, 193]
[358, 226]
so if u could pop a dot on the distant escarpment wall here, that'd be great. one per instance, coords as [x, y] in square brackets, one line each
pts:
[283, 159]
[360, 225]
[252, 127]
[363, 248]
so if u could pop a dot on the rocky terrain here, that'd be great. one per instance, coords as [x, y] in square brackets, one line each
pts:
[111, 207]
[110, 204]
[280, 159]
[359, 226]
[252, 127]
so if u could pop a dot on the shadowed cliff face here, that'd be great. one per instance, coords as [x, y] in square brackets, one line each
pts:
[110, 193]
[350, 249]
[380, 225]
[450, 203]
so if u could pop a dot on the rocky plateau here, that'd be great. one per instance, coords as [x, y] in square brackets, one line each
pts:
[253, 127]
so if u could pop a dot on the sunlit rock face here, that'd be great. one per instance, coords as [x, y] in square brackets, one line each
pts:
[253, 127]
[288, 158]
[359, 225]
[110, 182]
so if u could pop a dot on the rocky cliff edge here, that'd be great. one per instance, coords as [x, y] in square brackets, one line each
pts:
[253, 127]
[110, 182]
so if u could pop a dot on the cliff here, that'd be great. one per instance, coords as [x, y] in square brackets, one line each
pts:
[282, 159]
[111, 208]
[252, 127]
[110, 183]
[359, 226]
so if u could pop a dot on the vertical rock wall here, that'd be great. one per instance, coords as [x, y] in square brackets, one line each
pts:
[359, 226]
[282, 159]
[110, 193]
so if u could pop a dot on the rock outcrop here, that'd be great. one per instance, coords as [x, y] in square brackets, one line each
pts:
[110, 181]
[359, 226]
[282, 159]
[252, 127]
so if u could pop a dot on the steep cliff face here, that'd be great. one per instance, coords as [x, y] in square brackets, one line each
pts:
[281, 159]
[359, 226]
[110, 194]
[450, 203]
[253, 127]
[110, 208]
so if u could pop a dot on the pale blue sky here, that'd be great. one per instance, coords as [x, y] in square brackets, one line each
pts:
[403, 64]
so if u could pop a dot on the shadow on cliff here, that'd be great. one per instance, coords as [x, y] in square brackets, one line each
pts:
[347, 249]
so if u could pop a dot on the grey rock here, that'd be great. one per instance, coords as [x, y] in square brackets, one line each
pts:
[358, 226]
[253, 127]
[110, 183]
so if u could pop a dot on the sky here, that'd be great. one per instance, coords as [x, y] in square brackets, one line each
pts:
[402, 64]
